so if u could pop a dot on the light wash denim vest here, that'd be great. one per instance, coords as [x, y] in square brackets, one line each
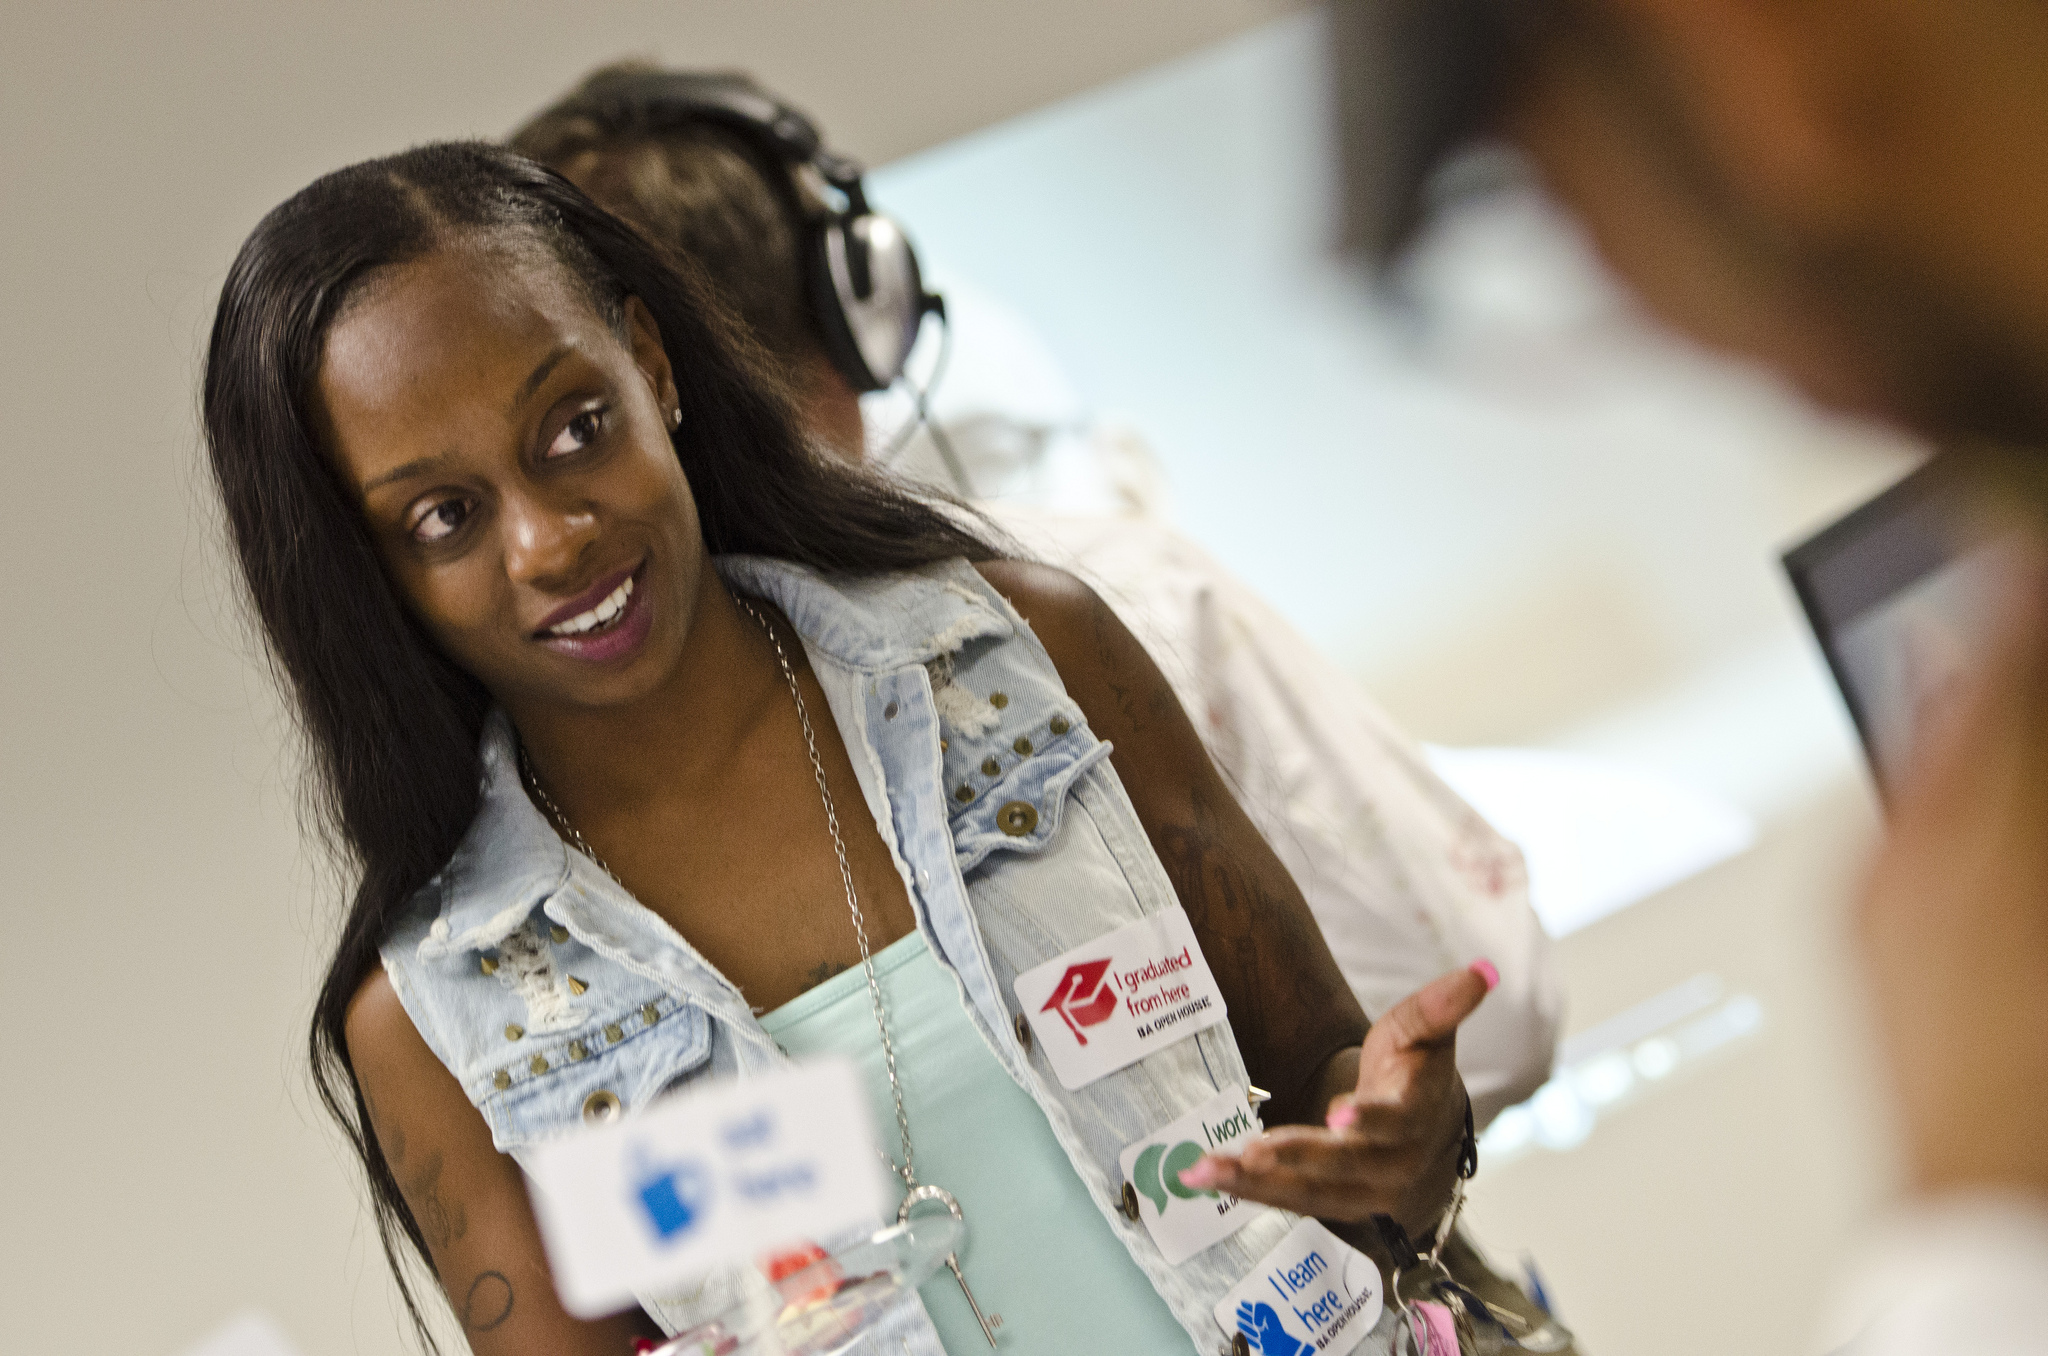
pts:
[952, 714]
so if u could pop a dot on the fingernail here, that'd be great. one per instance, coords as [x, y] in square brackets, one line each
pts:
[1484, 968]
[1343, 1115]
[1201, 1176]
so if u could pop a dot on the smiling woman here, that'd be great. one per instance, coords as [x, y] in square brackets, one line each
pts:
[544, 562]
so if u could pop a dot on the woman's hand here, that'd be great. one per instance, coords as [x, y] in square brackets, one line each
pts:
[1392, 1142]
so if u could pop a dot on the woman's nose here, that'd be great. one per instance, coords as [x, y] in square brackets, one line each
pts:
[545, 543]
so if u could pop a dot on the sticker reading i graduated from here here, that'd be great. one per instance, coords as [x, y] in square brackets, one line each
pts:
[1181, 1219]
[1117, 999]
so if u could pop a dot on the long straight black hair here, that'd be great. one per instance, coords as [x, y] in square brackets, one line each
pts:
[391, 725]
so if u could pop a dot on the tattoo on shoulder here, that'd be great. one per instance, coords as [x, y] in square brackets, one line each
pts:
[1141, 703]
[488, 1303]
[441, 1221]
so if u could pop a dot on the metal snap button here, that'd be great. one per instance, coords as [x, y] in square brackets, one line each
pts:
[501, 1080]
[513, 1031]
[1240, 1345]
[1023, 1031]
[600, 1106]
[889, 711]
[577, 1049]
[1129, 1203]
[559, 933]
[990, 767]
[1059, 725]
[964, 794]
[539, 1064]
[1023, 748]
[1017, 818]
[998, 700]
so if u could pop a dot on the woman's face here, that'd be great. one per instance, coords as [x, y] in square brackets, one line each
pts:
[511, 456]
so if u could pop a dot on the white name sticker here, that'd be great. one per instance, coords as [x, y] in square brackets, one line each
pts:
[1124, 995]
[1314, 1295]
[1181, 1219]
[705, 1179]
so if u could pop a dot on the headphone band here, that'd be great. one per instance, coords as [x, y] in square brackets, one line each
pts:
[655, 101]
[867, 292]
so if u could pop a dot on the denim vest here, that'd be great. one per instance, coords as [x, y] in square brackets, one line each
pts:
[957, 724]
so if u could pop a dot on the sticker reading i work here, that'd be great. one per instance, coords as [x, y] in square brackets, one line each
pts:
[1113, 1001]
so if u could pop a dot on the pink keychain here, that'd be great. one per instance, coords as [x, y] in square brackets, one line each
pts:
[1437, 1329]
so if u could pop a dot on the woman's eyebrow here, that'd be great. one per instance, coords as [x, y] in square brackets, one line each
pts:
[539, 375]
[412, 468]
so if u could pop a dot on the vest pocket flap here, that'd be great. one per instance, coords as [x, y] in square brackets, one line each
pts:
[1019, 811]
[610, 1067]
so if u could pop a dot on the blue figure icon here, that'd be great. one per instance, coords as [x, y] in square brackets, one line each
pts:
[672, 1197]
[1261, 1326]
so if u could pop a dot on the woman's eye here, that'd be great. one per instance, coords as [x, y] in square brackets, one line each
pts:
[441, 520]
[577, 434]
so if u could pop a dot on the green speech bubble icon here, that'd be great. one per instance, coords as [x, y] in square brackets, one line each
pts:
[1183, 1156]
[1145, 1176]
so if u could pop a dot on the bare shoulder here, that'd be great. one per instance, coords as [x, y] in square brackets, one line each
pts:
[1069, 618]
[1118, 686]
[1049, 598]
[377, 1025]
[398, 1072]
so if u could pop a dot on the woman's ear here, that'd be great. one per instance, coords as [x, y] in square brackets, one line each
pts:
[644, 336]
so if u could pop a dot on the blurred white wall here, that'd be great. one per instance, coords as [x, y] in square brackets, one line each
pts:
[1529, 521]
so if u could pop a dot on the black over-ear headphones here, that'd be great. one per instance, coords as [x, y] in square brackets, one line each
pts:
[861, 273]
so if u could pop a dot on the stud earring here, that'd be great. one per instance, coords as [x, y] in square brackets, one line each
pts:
[675, 417]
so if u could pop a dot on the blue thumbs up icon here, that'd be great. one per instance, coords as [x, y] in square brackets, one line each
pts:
[673, 1197]
[1268, 1336]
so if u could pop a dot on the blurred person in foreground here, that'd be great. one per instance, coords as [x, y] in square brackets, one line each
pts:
[1857, 195]
[1404, 878]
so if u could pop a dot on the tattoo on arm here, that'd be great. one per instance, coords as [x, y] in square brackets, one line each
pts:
[488, 1303]
[441, 1221]
[1284, 1003]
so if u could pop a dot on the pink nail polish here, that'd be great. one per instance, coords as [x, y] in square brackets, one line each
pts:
[1342, 1116]
[1201, 1176]
[1485, 970]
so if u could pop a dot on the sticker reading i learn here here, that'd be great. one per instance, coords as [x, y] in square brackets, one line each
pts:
[704, 1179]
[1314, 1295]
[1181, 1219]
[1117, 999]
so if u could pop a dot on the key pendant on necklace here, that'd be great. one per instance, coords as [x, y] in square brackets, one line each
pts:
[918, 1195]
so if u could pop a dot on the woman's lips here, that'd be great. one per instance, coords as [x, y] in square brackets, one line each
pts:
[610, 640]
[587, 599]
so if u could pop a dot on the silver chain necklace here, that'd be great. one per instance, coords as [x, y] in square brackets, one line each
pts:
[915, 1194]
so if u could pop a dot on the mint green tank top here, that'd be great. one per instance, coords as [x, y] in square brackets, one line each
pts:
[1038, 1251]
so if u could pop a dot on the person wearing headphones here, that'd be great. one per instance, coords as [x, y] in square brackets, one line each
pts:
[1403, 877]
[1855, 195]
